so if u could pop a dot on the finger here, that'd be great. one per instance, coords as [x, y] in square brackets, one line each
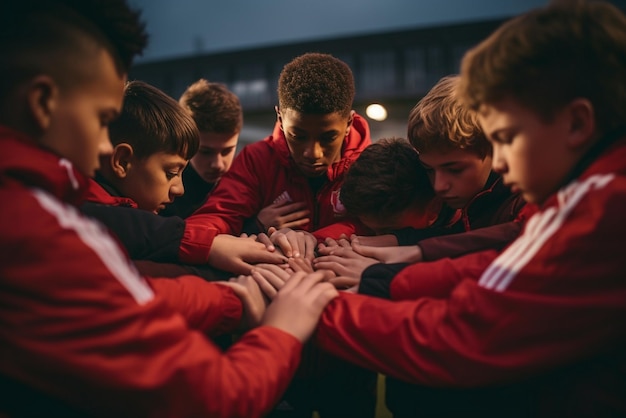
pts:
[300, 264]
[266, 257]
[330, 242]
[284, 244]
[344, 282]
[264, 239]
[292, 216]
[337, 268]
[343, 242]
[323, 249]
[266, 287]
[292, 207]
[271, 230]
[274, 269]
[243, 235]
[296, 224]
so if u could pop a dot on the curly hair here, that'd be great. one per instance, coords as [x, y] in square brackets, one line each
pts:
[550, 56]
[152, 122]
[214, 108]
[316, 83]
[442, 122]
[385, 179]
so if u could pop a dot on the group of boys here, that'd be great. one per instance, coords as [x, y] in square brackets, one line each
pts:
[476, 302]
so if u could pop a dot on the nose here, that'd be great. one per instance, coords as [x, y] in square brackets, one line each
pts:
[177, 188]
[313, 151]
[498, 162]
[217, 163]
[104, 145]
[440, 182]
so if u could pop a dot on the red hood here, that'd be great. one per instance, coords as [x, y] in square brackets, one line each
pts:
[356, 141]
[23, 160]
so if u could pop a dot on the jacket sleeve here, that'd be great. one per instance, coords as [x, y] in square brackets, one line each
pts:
[208, 307]
[492, 237]
[347, 227]
[236, 198]
[552, 298]
[145, 235]
[438, 278]
[80, 325]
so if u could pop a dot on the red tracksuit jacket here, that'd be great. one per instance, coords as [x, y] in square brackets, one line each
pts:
[81, 331]
[554, 300]
[260, 173]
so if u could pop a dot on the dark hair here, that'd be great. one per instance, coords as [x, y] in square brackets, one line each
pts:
[214, 108]
[152, 122]
[55, 36]
[385, 179]
[442, 122]
[316, 84]
[546, 58]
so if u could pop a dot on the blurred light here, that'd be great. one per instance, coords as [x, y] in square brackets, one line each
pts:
[376, 112]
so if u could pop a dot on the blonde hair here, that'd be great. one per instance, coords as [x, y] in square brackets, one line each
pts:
[442, 122]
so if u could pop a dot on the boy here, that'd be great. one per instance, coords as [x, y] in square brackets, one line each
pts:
[219, 118]
[316, 138]
[81, 333]
[387, 189]
[454, 151]
[541, 330]
[153, 138]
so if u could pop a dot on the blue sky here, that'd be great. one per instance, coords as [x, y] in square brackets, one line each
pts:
[180, 28]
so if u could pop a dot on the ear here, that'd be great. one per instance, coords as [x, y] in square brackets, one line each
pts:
[582, 123]
[350, 120]
[279, 118]
[121, 159]
[42, 96]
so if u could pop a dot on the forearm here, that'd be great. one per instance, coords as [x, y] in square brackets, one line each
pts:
[494, 237]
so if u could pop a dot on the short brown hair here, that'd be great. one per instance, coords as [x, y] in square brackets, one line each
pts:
[152, 122]
[546, 58]
[213, 107]
[316, 84]
[441, 122]
[386, 179]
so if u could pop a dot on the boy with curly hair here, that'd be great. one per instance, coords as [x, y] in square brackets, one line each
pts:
[301, 165]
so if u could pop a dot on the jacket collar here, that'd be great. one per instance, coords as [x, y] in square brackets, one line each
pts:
[24, 161]
[355, 142]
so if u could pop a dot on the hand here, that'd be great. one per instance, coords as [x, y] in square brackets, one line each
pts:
[236, 254]
[331, 244]
[293, 243]
[300, 264]
[388, 255]
[284, 214]
[252, 299]
[345, 262]
[296, 308]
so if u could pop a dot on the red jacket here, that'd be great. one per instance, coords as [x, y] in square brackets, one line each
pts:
[262, 172]
[80, 328]
[552, 302]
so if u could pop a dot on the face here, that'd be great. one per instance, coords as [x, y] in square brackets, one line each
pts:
[314, 141]
[533, 156]
[153, 182]
[215, 155]
[457, 176]
[77, 124]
